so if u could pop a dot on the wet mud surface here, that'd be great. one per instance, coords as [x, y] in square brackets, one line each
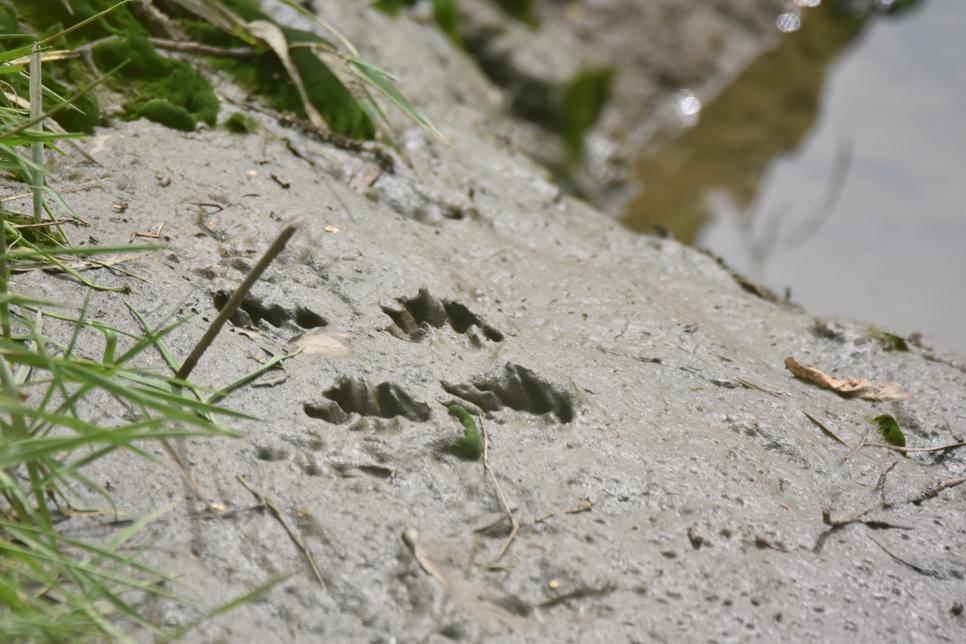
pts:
[640, 420]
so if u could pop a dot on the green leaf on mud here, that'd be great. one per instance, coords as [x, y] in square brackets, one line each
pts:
[890, 431]
[891, 340]
[469, 447]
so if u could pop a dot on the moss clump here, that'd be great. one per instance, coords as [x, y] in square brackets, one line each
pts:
[167, 91]
[42, 236]
[241, 123]
[522, 10]
[445, 13]
[52, 15]
[583, 99]
[171, 92]
[175, 95]
[447, 16]
[85, 111]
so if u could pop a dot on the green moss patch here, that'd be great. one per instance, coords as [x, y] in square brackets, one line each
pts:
[583, 99]
[889, 429]
[522, 10]
[240, 123]
[445, 13]
[85, 111]
[169, 92]
[50, 16]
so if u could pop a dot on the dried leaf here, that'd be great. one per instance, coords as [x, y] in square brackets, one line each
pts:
[367, 176]
[324, 343]
[411, 539]
[860, 388]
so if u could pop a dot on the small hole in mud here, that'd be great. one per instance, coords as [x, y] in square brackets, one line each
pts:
[271, 453]
[398, 317]
[315, 411]
[329, 411]
[309, 319]
[274, 314]
[461, 319]
[425, 309]
[353, 395]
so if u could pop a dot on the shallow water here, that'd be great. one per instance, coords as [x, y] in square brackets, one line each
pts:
[863, 116]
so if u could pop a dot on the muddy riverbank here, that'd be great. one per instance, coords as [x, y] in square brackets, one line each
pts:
[640, 420]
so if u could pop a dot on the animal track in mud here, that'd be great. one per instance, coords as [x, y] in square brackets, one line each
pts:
[518, 388]
[253, 310]
[354, 395]
[414, 314]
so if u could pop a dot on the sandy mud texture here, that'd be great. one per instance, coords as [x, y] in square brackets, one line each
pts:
[640, 421]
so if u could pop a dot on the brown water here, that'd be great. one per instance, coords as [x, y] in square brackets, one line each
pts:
[833, 166]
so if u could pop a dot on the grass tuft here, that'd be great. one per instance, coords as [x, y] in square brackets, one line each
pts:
[54, 587]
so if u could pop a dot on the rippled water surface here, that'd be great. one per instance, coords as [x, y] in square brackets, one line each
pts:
[835, 166]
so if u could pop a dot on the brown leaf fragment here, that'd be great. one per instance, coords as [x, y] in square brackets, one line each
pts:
[855, 388]
[280, 180]
[411, 539]
[324, 343]
[367, 175]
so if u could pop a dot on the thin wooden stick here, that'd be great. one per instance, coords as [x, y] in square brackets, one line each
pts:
[486, 465]
[933, 492]
[234, 303]
[37, 148]
[896, 448]
[273, 509]
[754, 386]
[824, 427]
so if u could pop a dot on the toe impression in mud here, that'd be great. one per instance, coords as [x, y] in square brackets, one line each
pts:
[518, 388]
[254, 309]
[412, 316]
[352, 394]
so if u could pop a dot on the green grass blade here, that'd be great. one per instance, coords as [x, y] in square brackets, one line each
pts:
[224, 608]
[380, 80]
[269, 364]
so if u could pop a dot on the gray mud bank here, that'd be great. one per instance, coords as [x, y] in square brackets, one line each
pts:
[640, 420]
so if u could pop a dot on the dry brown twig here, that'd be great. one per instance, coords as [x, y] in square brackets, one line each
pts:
[754, 386]
[506, 506]
[275, 512]
[896, 448]
[933, 492]
[155, 235]
[584, 506]
[236, 299]
[824, 427]
[857, 447]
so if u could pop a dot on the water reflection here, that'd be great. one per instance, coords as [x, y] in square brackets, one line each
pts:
[764, 113]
